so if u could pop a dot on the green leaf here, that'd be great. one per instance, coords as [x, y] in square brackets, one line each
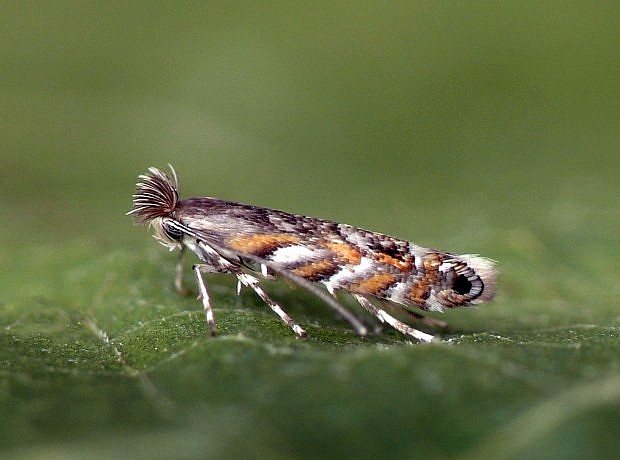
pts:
[130, 370]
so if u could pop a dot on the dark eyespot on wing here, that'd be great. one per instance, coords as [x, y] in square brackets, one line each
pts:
[462, 285]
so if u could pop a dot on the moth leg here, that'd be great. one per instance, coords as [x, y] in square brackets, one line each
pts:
[221, 264]
[266, 273]
[204, 295]
[252, 282]
[384, 317]
[432, 322]
[178, 279]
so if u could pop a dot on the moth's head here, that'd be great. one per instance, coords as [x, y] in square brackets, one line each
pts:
[464, 281]
[166, 232]
[156, 198]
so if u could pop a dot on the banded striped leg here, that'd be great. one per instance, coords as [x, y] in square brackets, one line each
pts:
[252, 282]
[220, 264]
[432, 322]
[384, 317]
[204, 295]
[178, 279]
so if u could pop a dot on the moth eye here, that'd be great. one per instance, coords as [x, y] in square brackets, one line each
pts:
[462, 285]
[172, 232]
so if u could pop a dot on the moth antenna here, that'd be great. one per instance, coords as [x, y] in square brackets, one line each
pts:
[157, 195]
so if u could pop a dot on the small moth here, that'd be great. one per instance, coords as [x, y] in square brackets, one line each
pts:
[378, 270]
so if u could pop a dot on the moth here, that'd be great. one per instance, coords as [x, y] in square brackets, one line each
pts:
[325, 257]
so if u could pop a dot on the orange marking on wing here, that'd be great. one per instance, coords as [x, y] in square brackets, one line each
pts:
[345, 252]
[419, 292]
[373, 284]
[403, 265]
[431, 263]
[316, 269]
[261, 244]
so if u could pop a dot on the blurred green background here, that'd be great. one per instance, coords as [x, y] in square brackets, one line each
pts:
[480, 127]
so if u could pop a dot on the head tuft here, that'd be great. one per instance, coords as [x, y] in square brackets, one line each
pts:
[157, 195]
